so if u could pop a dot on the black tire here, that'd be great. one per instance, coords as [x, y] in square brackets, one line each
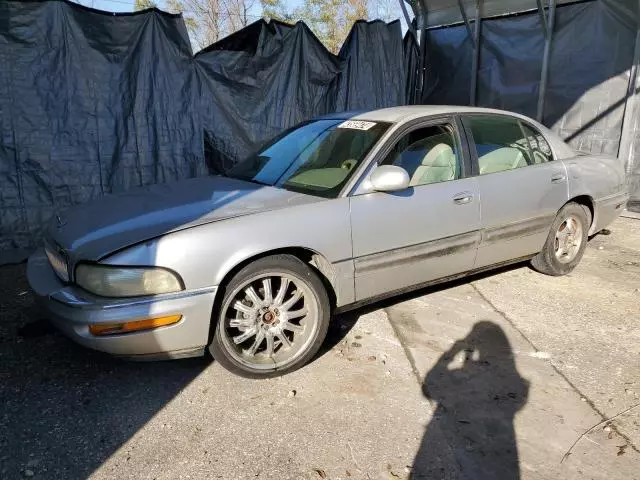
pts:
[547, 261]
[221, 347]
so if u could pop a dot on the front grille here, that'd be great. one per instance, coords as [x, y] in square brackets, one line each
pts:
[58, 262]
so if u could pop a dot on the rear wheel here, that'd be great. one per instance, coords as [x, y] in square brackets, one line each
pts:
[566, 242]
[273, 318]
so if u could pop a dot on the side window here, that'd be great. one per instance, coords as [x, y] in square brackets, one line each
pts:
[540, 149]
[429, 155]
[500, 143]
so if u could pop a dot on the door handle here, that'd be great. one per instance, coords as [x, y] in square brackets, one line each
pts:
[462, 198]
[558, 178]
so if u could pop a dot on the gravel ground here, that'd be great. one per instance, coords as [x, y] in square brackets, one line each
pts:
[558, 356]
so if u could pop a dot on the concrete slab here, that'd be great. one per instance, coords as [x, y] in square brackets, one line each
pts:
[352, 416]
[588, 321]
[357, 411]
[496, 378]
[569, 344]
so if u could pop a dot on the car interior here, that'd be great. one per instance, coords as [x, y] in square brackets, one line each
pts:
[337, 154]
[505, 144]
[428, 154]
[438, 165]
[500, 159]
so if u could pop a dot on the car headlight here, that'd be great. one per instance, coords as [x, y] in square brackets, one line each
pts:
[108, 281]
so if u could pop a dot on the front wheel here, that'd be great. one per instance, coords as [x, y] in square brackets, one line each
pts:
[273, 318]
[566, 242]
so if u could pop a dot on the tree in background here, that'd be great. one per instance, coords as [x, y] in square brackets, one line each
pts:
[387, 10]
[144, 4]
[331, 20]
[238, 13]
[276, 10]
[204, 18]
[208, 20]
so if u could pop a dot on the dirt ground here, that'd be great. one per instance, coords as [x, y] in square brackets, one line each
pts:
[508, 375]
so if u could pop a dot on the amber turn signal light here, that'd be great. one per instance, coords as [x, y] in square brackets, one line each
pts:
[101, 329]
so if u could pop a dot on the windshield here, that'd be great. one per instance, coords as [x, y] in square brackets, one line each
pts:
[316, 157]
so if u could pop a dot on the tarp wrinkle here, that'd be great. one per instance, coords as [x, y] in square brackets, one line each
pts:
[94, 103]
[588, 79]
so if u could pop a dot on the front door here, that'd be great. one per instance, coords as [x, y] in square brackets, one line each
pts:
[521, 186]
[426, 232]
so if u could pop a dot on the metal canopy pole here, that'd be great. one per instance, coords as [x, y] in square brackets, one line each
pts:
[476, 54]
[467, 24]
[626, 152]
[420, 10]
[423, 49]
[405, 12]
[548, 29]
[543, 18]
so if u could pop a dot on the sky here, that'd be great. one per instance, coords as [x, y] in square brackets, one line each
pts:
[109, 5]
[127, 6]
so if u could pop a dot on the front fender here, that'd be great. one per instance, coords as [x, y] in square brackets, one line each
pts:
[203, 255]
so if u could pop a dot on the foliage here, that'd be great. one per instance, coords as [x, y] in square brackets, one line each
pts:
[144, 4]
[276, 10]
[331, 20]
[210, 20]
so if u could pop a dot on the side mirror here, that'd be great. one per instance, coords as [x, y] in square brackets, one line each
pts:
[389, 178]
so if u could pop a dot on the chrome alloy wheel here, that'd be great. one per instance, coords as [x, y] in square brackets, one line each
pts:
[269, 321]
[568, 239]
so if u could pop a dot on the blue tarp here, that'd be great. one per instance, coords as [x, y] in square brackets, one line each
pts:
[93, 103]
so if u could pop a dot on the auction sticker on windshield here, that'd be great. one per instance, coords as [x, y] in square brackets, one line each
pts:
[357, 125]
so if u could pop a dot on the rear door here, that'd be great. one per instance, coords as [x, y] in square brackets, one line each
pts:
[428, 231]
[521, 186]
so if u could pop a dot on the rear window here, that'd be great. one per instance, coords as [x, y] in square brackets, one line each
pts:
[505, 143]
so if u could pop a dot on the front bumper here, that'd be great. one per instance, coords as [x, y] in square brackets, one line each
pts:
[72, 310]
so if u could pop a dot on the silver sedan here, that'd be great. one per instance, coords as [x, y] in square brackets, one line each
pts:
[333, 213]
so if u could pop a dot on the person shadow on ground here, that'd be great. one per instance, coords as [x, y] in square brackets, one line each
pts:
[478, 391]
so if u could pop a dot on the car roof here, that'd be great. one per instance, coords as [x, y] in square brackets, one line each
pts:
[410, 112]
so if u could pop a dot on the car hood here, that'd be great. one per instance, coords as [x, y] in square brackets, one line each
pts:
[94, 230]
